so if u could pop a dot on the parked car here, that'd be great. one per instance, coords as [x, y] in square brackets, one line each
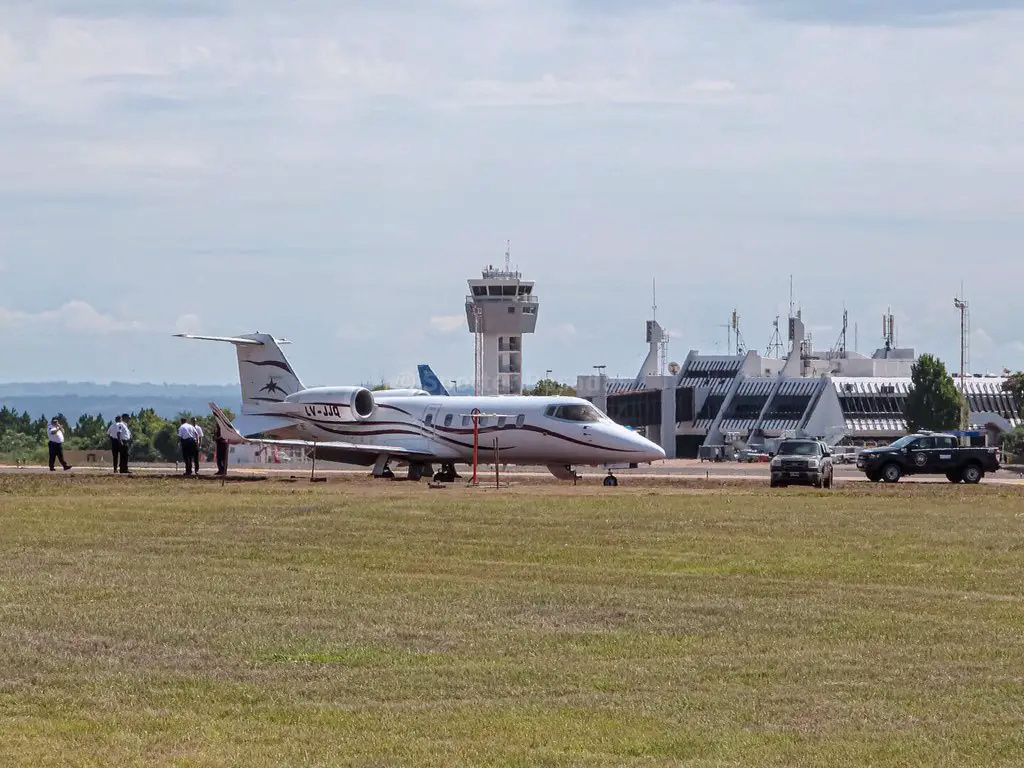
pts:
[802, 462]
[928, 454]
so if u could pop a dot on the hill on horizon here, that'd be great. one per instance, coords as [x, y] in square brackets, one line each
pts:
[73, 399]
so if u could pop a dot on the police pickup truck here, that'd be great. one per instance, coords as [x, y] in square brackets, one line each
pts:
[928, 454]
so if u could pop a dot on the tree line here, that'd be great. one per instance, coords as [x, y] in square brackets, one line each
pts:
[154, 438]
[934, 402]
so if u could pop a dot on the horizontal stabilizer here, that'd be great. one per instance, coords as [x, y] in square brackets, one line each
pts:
[229, 339]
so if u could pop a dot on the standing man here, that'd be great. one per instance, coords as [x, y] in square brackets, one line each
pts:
[187, 438]
[222, 450]
[56, 434]
[125, 436]
[114, 433]
[199, 441]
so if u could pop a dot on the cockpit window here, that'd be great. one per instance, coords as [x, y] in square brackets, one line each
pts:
[574, 412]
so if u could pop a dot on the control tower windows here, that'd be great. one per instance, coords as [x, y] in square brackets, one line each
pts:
[479, 290]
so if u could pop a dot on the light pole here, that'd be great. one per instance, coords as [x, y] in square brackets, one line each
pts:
[547, 374]
[962, 306]
[455, 383]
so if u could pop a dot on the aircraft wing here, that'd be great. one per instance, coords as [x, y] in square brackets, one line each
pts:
[328, 450]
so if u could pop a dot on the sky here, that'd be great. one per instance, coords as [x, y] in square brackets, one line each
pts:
[333, 171]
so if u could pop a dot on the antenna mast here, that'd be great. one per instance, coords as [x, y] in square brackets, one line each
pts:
[775, 343]
[965, 352]
[740, 346]
[889, 331]
[839, 350]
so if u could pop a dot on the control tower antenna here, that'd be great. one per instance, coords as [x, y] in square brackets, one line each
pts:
[791, 296]
[775, 343]
[508, 256]
[965, 352]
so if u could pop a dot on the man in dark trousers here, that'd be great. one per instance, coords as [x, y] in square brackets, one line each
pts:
[114, 433]
[222, 449]
[56, 434]
[126, 438]
[189, 446]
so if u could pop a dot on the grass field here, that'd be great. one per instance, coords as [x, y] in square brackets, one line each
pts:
[159, 622]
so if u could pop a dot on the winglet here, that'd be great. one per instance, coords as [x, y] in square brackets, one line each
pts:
[227, 429]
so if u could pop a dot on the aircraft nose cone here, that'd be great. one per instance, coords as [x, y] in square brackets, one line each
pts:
[646, 450]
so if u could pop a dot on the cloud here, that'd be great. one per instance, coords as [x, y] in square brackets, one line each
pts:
[190, 324]
[880, 12]
[564, 332]
[77, 317]
[448, 323]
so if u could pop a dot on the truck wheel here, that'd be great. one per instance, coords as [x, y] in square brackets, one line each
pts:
[874, 477]
[828, 480]
[891, 473]
[972, 474]
[953, 477]
[773, 483]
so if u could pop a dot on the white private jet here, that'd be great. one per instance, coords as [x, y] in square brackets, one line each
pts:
[356, 426]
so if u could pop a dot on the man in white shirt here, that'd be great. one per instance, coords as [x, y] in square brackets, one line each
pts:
[187, 438]
[56, 434]
[114, 433]
[199, 441]
[124, 434]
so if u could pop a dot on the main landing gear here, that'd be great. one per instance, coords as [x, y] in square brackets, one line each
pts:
[610, 481]
[446, 474]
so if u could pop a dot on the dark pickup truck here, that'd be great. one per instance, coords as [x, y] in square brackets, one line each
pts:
[926, 454]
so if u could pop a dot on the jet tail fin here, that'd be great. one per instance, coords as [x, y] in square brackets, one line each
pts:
[264, 372]
[429, 381]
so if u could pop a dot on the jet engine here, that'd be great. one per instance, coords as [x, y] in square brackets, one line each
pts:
[336, 403]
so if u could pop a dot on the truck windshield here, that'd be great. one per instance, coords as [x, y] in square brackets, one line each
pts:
[904, 441]
[798, 449]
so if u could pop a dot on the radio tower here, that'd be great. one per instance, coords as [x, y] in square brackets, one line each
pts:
[965, 353]
[775, 343]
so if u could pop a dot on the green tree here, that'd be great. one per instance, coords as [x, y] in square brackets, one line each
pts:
[1014, 384]
[1012, 444]
[934, 402]
[550, 388]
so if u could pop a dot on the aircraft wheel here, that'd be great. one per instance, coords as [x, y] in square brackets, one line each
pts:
[611, 481]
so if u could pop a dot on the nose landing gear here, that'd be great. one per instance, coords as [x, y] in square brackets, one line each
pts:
[610, 481]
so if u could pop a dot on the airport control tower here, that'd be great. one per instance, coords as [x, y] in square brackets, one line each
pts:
[500, 308]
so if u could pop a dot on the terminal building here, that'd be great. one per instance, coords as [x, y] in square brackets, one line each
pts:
[709, 402]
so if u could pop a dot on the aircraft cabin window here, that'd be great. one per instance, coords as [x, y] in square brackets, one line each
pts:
[501, 421]
[465, 421]
[520, 420]
[448, 420]
[429, 420]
